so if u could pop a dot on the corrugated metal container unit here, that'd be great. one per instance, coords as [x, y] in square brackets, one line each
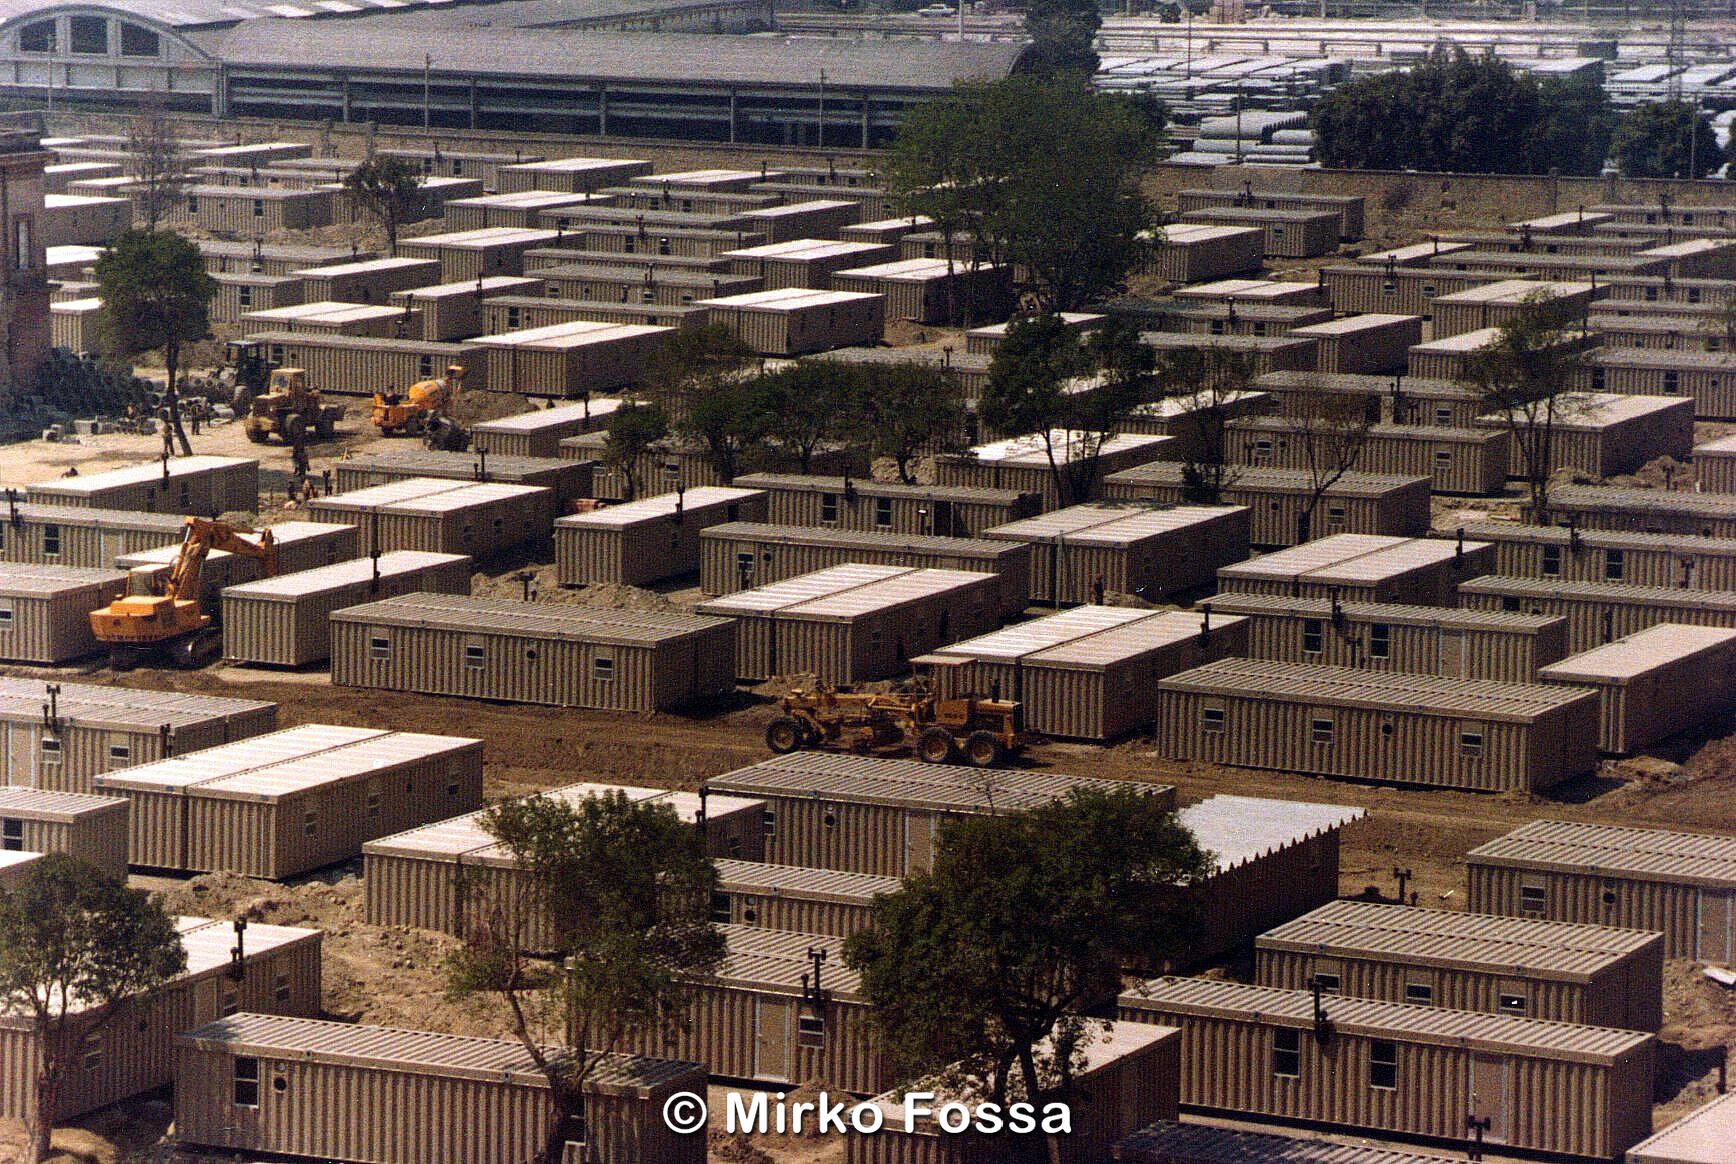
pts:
[1124, 1076]
[1080, 553]
[1022, 463]
[364, 365]
[1265, 353]
[539, 432]
[1271, 860]
[985, 341]
[399, 1089]
[1176, 1143]
[521, 210]
[569, 175]
[808, 218]
[1622, 327]
[279, 973]
[854, 623]
[675, 463]
[82, 219]
[796, 322]
[790, 897]
[453, 311]
[349, 319]
[1703, 1136]
[1709, 378]
[1502, 302]
[1415, 1070]
[45, 610]
[1604, 434]
[741, 555]
[447, 517]
[367, 280]
[570, 359]
[284, 621]
[262, 258]
[1574, 555]
[515, 312]
[1360, 503]
[1454, 357]
[1228, 317]
[241, 292]
[1711, 515]
[604, 278]
[1085, 673]
[1474, 734]
[91, 828]
[1715, 465]
[1600, 612]
[804, 262]
[933, 290]
[650, 540]
[453, 874]
[1363, 568]
[1194, 253]
[760, 1017]
[1388, 637]
[245, 210]
[1397, 399]
[1267, 291]
[287, 803]
[526, 652]
[568, 480]
[1594, 975]
[15, 867]
[476, 254]
[301, 545]
[60, 736]
[484, 164]
[1363, 344]
[856, 503]
[75, 324]
[1289, 234]
[204, 486]
[1651, 685]
[1457, 460]
[1556, 268]
[1348, 207]
[861, 814]
[1681, 884]
[1395, 289]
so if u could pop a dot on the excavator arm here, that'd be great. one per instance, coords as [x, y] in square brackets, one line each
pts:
[173, 622]
[201, 538]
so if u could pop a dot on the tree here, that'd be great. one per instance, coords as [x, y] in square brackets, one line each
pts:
[1330, 430]
[155, 296]
[907, 409]
[388, 190]
[1460, 114]
[1063, 37]
[1527, 375]
[701, 378]
[1205, 381]
[811, 404]
[77, 948]
[1666, 139]
[634, 429]
[1040, 174]
[618, 893]
[1025, 921]
[155, 162]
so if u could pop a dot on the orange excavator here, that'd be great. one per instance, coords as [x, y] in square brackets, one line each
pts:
[172, 624]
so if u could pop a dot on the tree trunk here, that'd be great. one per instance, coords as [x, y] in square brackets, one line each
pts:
[1033, 1094]
[171, 360]
[42, 1123]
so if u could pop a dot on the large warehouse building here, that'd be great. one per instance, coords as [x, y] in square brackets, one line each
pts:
[624, 68]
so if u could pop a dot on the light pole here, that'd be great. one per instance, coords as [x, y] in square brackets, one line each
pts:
[427, 89]
[821, 142]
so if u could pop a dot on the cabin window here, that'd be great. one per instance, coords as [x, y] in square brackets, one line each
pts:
[1212, 719]
[475, 657]
[1336, 516]
[1608, 893]
[769, 821]
[1443, 415]
[1379, 640]
[722, 908]
[12, 835]
[1552, 561]
[90, 36]
[1533, 900]
[663, 246]
[1614, 565]
[1287, 1053]
[23, 244]
[244, 296]
[574, 1130]
[379, 648]
[192, 204]
[5, 618]
[246, 1081]
[1383, 1065]
[93, 1051]
[281, 988]
[120, 755]
[1509, 1003]
[603, 669]
[1320, 729]
[514, 319]
[1329, 983]
[139, 41]
[828, 508]
[1672, 383]
[40, 37]
[425, 366]
[51, 541]
[1471, 741]
[259, 208]
[373, 804]
[883, 512]
[1419, 994]
[811, 1030]
[1313, 636]
[230, 999]
[1510, 604]
[310, 822]
[50, 751]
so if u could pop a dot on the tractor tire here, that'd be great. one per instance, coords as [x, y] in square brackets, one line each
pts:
[984, 750]
[415, 426]
[294, 429]
[325, 425]
[935, 746]
[784, 735]
[257, 436]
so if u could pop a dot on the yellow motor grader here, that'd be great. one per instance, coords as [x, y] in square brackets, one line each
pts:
[979, 732]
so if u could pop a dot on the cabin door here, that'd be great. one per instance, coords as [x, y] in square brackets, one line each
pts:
[1717, 926]
[771, 1044]
[112, 544]
[1491, 1088]
[21, 754]
[1452, 654]
[919, 830]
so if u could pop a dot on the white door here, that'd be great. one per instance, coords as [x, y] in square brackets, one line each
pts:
[1491, 1083]
[113, 545]
[919, 830]
[21, 754]
[1453, 654]
[1717, 926]
[771, 1044]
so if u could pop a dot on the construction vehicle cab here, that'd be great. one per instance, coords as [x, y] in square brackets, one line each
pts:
[282, 405]
[410, 412]
[979, 732]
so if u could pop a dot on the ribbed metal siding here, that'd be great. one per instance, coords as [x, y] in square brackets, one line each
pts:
[361, 367]
[97, 837]
[204, 490]
[1594, 621]
[1672, 909]
[909, 515]
[1271, 889]
[55, 628]
[1506, 656]
[649, 550]
[291, 633]
[1404, 512]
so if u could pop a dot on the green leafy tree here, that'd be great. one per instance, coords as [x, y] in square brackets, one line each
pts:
[617, 894]
[77, 949]
[1330, 432]
[703, 380]
[156, 296]
[155, 162]
[1574, 127]
[388, 190]
[634, 430]
[906, 410]
[1063, 37]
[810, 405]
[1666, 139]
[1207, 381]
[1026, 920]
[1039, 173]
[1528, 375]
